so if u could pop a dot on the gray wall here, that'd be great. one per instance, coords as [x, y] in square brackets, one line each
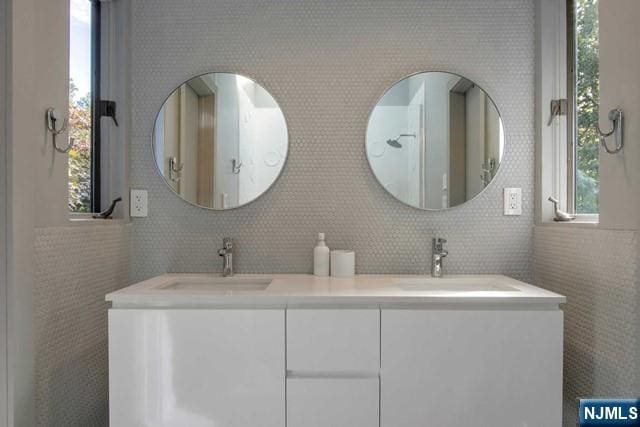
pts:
[597, 267]
[76, 267]
[3, 224]
[326, 62]
[597, 270]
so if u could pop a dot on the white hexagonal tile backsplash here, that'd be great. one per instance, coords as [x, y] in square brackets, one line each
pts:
[327, 62]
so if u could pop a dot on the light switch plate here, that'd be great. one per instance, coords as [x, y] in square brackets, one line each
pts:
[138, 203]
[513, 201]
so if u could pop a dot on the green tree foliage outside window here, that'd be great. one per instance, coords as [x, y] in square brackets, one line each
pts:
[587, 97]
[80, 154]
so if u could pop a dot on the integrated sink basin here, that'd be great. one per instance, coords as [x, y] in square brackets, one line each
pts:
[218, 285]
[454, 284]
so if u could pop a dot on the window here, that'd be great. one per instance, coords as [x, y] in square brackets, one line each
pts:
[84, 128]
[583, 100]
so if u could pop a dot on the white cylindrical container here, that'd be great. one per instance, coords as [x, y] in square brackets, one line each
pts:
[343, 263]
[321, 257]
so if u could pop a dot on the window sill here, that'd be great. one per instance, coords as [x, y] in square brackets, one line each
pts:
[88, 219]
[584, 221]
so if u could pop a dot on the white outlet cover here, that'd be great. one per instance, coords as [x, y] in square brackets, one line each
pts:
[513, 201]
[138, 204]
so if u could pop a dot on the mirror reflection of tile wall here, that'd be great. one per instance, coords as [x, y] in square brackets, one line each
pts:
[327, 63]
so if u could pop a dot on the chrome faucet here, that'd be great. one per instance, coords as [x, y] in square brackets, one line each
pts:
[227, 253]
[438, 254]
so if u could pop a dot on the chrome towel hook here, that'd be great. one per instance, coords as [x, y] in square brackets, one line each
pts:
[175, 169]
[236, 165]
[616, 117]
[52, 117]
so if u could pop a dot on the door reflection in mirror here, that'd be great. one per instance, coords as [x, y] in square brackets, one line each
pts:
[435, 140]
[220, 140]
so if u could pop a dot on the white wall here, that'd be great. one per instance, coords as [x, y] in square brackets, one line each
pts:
[397, 169]
[597, 270]
[75, 268]
[437, 136]
[245, 141]
[158, 139]
[414, 147]
[189, 121]
[171, 136]
[475, 139]
[494, 139]
[620, 88]
[3, 230]
[37, 192]
[399, 111]
[226, 148]
[262, 140]
[23, 138]
[414, 173]
[598, 266]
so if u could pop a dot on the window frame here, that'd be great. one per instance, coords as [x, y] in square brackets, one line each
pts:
[96, 67]
[97, 159]
[571, 106]
[571, 115]
[554, 142]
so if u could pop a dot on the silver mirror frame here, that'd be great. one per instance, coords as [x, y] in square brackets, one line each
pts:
[164, 179]
[366, 152]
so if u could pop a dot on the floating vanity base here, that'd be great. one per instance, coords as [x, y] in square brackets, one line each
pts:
[356, 363]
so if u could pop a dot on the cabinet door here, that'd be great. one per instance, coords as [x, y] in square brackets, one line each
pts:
[197, 368]
[463, 368]
[333, 402]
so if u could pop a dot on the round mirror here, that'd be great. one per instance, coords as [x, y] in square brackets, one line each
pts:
[220, 141]
[435, 140]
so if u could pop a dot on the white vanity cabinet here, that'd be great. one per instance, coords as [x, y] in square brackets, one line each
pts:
[196, 368]
[307, 351]
[486, 368]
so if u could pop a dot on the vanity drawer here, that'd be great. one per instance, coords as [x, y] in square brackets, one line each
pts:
[335, 402]
[333, 340]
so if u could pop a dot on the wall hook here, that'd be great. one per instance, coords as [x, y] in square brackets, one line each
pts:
[236, 165]
[488, 171]
[52, 117]
[175, 169]
[616, 117]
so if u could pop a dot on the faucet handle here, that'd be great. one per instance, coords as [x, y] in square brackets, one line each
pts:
[227, 246]
[437, 243]
[227, 243]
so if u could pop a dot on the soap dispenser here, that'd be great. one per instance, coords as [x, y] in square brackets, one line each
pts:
[321, 257]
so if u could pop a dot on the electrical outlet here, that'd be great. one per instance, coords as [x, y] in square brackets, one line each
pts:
[138, 204]
[513, 201]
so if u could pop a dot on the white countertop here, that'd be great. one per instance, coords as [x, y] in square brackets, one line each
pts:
[303, 290]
